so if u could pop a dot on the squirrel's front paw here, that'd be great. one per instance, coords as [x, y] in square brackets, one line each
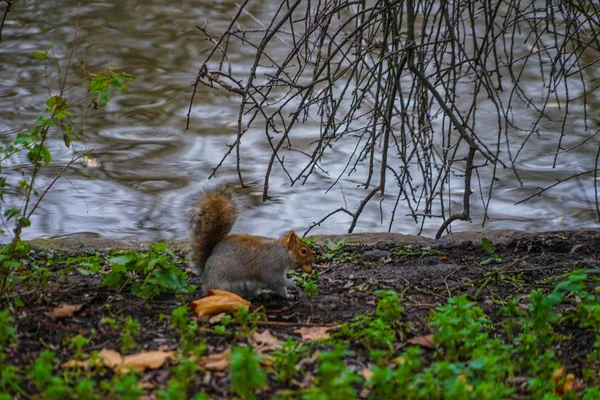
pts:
[282, 292]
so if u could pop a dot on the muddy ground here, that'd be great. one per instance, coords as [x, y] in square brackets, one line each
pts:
[345, 290]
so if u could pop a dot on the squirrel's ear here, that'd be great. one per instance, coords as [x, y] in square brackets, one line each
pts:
[292, 240]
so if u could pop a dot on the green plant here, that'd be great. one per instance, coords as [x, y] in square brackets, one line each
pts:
[408, 251]
[56, 119]
[131, 330]
[41, 374]
[332, 249]
[377, 331]
[123, 386]
[221, 327]
[461, 327]
[150, 273]
[78, 343]
[286, 358]
[334, 380]
[246, 318]
[246, 372]
[494, 256]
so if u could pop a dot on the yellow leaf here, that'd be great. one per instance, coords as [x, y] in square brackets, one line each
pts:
[137, 362]
[217, 301]
[65, 311]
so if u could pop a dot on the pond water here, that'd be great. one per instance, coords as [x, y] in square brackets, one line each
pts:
[146, 168]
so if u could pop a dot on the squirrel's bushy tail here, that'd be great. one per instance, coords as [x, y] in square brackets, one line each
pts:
[213, 217]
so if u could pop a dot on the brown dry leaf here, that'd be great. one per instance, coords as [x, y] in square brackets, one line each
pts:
[137, 362]
[65, 311]
[265, 341]
[215, 319]
[216, 362]
[314, 332]
[425, 341]
[217, 301]
[85, 364]
[366, 373]
[111, 358]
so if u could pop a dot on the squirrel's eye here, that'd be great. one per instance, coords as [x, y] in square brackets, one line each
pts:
[303, 251]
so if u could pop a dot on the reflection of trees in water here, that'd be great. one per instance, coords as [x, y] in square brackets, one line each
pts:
[402, 81]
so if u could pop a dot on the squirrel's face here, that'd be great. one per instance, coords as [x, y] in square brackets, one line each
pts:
[304, 255]
[300, 252]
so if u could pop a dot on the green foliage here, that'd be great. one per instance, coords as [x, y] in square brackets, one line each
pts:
[150, 273]
[286, 358]
[55, 119]
[308, 283]
[377, 331]
[334, 379]
[409, 252]
[131, 330]
[246, 319]
[461, 326]
[332, 250]
[123, 386]
[246, 372]
[494, 256]
[7, 330]
[41, 374]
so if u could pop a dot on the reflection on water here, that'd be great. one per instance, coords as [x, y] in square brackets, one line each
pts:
[147, 168]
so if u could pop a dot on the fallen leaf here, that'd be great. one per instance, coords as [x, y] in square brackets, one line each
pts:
[565, 383]
[85, 364]
[217, 301]
[366, 373]
[264, 342]
[137, 362]
[216, 362]
[215, 319]
[315, 332]
[307, 269]
[444, 258]
[65, 311]
[425, 341]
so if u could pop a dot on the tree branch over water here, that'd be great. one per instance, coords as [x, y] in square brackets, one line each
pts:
[411, 87]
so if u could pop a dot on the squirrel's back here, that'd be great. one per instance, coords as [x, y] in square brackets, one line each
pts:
[213, 217]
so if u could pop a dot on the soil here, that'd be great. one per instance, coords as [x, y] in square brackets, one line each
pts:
[345, 290]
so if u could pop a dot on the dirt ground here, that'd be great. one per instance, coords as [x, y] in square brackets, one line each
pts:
[345, 290]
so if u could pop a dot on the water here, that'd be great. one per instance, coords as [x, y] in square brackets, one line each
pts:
[146, 169]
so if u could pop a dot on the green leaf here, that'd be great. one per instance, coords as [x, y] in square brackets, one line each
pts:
[39, 55]
[52, 101]
[66, 139]
[39, 153]
[25, 222]
[10, 213]
[22, 138]
[159, 247]
[114, 279]
[487, 245]
[121, 260]
[116, 82]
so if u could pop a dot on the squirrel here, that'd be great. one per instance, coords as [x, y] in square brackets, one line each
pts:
[241, 264]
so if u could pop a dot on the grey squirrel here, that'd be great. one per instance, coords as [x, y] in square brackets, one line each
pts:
[241, 264]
